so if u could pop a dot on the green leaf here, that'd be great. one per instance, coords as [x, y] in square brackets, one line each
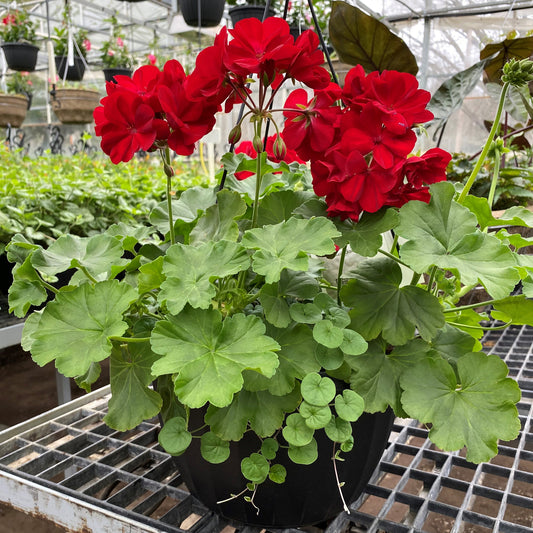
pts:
[269, 448]
[347, 446]
[95, 253]
[271, 410]
[329, 358]
[376, 375]
[452, 343]
[365, 236]
[473, 411]
[82, 319]
[296, 432]
[174, 437]
[274, 305]
[353, 343]
[298, 284]
[328, 334]
[24, 294]
[213, 448]
[349, 405]
[286, 245]
[132, 400]
[307, 313]
[296, 343]
[316, 417]
[230, 422]
[150, 276]
[255, 468]
[516, 309]
[190, 270]
[303, 455]
[277, 473]
[444, 233]
[279, 206]
[208, 355]
[450, 95]
[317, 390]
[218, 221]
[381, 306]
[85, 381]
[361, 39]
[338, 430]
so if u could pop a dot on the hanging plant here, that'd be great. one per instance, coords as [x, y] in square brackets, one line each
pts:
[115, 55]
[17, 33]
[211, 12]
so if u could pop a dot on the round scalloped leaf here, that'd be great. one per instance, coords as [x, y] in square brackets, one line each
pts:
[174, 437]
[329, 358]
[338, 430]
[317, 390]
[214, 449]
[277, 474]
[269, 448]
[339, 317]
[326, 333]
[316, 416]
[304, 455]
[296, 431]
[353, 343]
[305, 313]
[255, 468]
[349, 405]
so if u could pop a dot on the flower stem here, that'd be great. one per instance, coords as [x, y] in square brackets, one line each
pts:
[255, 212]
[488, 328]
[339, 275]
[470, 306]
[494, 182]
[393, 257]
[488, 143]
[128, 339]
[169, 172]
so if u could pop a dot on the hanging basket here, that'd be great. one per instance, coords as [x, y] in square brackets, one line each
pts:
[110, 73]
[245, 12]
[73, 72]
[20, 56]
[13, 109]
[309, 495]
[75, 106]
[211, 12]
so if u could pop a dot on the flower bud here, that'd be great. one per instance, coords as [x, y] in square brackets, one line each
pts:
[518, 73]
[279, 148]
[257, 143]
[235, 134]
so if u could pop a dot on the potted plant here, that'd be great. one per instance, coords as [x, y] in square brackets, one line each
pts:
[275, 323]
[115, 55]
[211, 12]
[15, 103]
[249, 8]
[74, 104]
[17, 33]
[80, 46]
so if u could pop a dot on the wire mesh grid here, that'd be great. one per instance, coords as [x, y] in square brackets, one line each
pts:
[416, 487]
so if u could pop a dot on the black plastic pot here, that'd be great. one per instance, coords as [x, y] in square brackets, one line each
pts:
[110, 73]
[74, 72]
[245, 12]
[20, 56]
[211, 12]
[310, 494]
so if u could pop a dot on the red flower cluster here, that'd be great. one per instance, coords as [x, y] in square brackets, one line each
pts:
[359, 151]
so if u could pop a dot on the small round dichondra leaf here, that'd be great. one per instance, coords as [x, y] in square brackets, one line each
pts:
[326, 333]
[304, 455]
[318, 390]
[305, 313]
[338, 430]
[269, 448]
[174, 437]
[349, 405]
[214, 449]
[296, 431]
[316, 416]
[277, 473]
[255, 468]
[353, 343]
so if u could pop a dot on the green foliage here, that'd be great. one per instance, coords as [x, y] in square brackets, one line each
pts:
[47, 197]
[114, 52]
[17, 27]
[20, 83]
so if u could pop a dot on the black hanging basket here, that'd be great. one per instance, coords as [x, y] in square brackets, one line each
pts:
[21, 56]
[245, 12]
[110, 73]
[74, 72]
[211, 12]
[309, 495]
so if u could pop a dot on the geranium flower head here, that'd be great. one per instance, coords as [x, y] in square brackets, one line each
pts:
[87, 44]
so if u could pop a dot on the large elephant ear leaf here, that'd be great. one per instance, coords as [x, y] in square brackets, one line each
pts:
[360, 39]
[520, 48]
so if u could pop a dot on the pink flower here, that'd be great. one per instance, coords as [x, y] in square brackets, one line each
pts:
[152, 59]
[120, 42]
[110, 53]
[87, 44]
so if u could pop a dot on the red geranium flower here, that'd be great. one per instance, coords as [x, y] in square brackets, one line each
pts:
[143, 83]
[428, 168]
[306, 65]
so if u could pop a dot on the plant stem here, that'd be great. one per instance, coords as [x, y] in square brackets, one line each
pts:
[393, 257]
[88, 274]
[495, 175]
[339, 275]
[488, 143]
[165, 156]
[346, 509]
[255, 211]
[488, 328]
[128, 339]
[470, 306]
[431, 277]
[394, 247]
